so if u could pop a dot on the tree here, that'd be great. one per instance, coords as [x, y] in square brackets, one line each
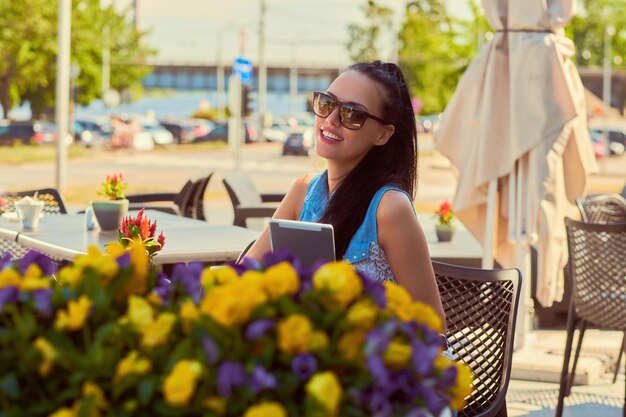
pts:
[362, 45]
[587, 31]
[28, 45]
[437, 48]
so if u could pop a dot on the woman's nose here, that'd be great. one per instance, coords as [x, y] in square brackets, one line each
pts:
[334, 117]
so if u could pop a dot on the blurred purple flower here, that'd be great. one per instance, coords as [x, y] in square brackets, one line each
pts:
[47, 265]
[163, 289]
[258, 328]
[379, 405]
[304, 366]
[423, 357]
[380, 373]
[8, 295]
[43, 301]
[375, 290]
[187, 277]
[247, 264]
[123, 261]
[229, 375]
[418, 412]
[211, 350]
[435, 402]
[447, 378]
[262, 380]
[431, 337]
[6, 260]
[278, 256]
[376, 342]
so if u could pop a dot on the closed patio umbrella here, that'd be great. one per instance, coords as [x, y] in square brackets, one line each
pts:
[517, 121]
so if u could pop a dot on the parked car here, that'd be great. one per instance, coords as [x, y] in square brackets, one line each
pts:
[220, 133]
[29, 132]
[599, 144]
[183, 131]
[202, 127]
[616, 136]
[299, 142]
[277, 132]
[88, 132]
[159, 134]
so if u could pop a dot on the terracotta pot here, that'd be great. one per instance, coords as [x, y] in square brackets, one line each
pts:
[444, 232]
[109, 213]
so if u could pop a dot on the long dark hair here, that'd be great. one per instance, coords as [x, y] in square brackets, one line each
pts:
[392, 163]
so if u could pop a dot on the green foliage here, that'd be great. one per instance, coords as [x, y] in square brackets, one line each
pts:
[363, 41]
[436, 49]
[28, 48]
[587, 31]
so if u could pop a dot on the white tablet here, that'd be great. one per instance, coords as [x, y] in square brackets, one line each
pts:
[310, 242]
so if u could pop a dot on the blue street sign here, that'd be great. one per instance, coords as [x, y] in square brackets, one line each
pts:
[242, 67]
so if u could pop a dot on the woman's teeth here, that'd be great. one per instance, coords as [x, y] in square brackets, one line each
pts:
[330, 136]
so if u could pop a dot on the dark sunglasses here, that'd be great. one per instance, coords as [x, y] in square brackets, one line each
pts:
[350, 115]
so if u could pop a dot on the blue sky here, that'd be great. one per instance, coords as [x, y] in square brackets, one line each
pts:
[313, 31]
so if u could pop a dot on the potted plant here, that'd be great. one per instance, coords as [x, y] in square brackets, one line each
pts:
[444, 226]
[109, 212]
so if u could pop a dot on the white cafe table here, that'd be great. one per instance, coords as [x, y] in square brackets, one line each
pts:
[65, 236]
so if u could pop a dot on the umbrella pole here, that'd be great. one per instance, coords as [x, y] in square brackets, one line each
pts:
[487, 261]
[518, 217]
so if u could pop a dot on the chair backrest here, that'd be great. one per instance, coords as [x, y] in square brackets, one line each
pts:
[53, 202]
[184, 198]
[602, 208]
[241, 189]
[597, 266]
[201, 185]
[480, 307]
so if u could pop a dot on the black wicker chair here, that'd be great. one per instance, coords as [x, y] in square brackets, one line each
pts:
[597, 266]
[605, 209]
[247, 201]
[198, 196]
[480, 307]
[53, 204]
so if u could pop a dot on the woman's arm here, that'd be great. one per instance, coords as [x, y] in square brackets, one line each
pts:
[402, 238]
[288, 209]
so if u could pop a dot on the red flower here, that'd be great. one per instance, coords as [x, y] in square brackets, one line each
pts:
[445, 212]
[141, 228]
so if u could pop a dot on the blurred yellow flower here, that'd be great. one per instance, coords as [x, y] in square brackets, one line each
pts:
[463, 387]
[231, 304]
[398, 354]
[92, 390]
[425, 314]
[281, 279]
[63, 412]
[180, 384]
[189, 314]
[138, 283]
[341, 280]
[325, 388]
[156, 333]
[9, 277]
[398, 301]
[319, 340]
[96, 260]
[33, 280]
[266, 409]
[350, 345]
[70, 276]
[295, 334]
[215, 404]
[75, 316]
[132, 363]
[217, 276]
[363, 314]
[139, 311]
[48, 355]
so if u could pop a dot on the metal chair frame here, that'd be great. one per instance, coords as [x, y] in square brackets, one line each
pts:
[597, 268]
[480, 307]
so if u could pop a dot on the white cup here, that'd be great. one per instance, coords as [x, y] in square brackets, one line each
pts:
[29, 213]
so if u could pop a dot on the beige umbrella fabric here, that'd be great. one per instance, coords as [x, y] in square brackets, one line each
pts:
[519, 110]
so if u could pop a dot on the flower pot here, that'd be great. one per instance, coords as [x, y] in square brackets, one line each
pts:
[109, 213]
[444, 232]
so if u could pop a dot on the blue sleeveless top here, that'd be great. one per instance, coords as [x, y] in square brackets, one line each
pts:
[363, 252]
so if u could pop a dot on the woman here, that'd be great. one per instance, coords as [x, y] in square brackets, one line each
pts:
[365, 129]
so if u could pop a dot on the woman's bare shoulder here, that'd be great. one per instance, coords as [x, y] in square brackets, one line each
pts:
[395, 206]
